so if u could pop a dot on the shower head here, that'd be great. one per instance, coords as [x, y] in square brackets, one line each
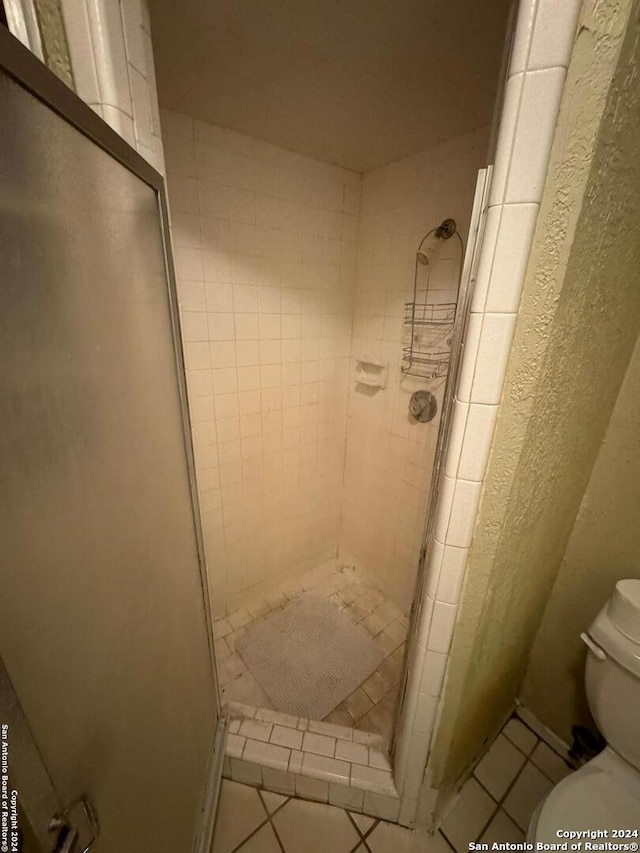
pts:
[444, 231]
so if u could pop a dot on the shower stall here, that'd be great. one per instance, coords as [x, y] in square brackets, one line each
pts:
[268, 430]
[317, 345]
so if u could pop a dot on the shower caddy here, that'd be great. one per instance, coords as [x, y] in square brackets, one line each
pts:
[431, 323]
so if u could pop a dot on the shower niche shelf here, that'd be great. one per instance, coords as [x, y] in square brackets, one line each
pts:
[429, 319]
[371, 372]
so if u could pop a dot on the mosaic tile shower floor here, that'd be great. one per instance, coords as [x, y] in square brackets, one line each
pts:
[371, 707]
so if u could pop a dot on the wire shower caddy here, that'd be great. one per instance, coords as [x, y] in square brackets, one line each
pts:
[431, 323]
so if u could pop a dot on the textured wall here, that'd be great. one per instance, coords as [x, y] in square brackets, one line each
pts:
[390, 456]
[603, 548]
[577, 325]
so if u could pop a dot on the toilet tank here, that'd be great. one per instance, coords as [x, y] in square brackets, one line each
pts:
[613, 671]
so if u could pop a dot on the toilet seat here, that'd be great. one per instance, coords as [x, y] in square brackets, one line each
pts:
[604, 794]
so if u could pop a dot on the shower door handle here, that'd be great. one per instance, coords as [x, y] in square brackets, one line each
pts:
[67, 840]
[68, 835]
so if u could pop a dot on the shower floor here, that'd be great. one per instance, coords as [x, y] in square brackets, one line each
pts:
[371, 707]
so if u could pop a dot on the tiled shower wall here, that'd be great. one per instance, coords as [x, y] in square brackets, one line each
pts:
[265, 252]
[389, 455]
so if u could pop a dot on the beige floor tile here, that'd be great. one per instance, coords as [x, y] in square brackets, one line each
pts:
[358, 703]
[221, 628]
[520, 735]
[245, 689]
[264, 841]
[530, 788]
[362, 821]
[392, 668]
[272, 801]
[470, 815]
[499, 767]
[306, 827]
[386, 645]
[502, 829]
[340, 716]
[376, 687]
[380, 718]
[390, 838]
[374, 624]
[240, 813]
[551, 764]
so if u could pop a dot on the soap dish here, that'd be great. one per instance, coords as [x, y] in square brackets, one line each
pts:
[371, 372]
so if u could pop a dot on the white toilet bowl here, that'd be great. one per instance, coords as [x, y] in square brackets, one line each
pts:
[605, 793]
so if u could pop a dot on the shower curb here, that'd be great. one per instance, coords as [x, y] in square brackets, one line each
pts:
[311, 760]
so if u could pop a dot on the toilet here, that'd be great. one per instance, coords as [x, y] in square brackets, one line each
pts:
[604, 794]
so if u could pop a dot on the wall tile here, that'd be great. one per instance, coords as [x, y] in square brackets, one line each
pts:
[509, 121]
[312, 789]
[477, 440]
[452, 574]
[515, 235]
[445, 503]
[442, 622]
[522, 36]
[456, 436]
[463, 514]
[120, 122]
[323, 767]
[554, 33]
[532, 143]
[435, 664]
[493, 353]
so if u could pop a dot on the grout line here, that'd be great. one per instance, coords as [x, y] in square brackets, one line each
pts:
[500, 802]
[371, 828]
[251, 834]
[449, 844]
[357, 828]
[275, 832]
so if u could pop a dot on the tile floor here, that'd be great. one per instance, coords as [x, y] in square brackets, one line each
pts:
[255, 821]
[371, 706]
[496, 804]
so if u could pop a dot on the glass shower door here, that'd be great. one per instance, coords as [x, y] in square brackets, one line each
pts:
[104, 628]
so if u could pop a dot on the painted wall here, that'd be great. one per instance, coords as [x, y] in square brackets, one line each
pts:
[578, 322]
[604, 547]
[265, 252]
[389, 455]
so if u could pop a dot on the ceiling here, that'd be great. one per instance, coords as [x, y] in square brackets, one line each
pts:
[358, 83]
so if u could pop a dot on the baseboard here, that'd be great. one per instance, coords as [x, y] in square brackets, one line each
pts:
[550, 738]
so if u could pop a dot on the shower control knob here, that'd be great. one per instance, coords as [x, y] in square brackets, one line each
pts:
[423, 406]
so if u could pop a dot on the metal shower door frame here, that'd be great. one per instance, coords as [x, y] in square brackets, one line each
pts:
[33, 76]
[467, 283]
